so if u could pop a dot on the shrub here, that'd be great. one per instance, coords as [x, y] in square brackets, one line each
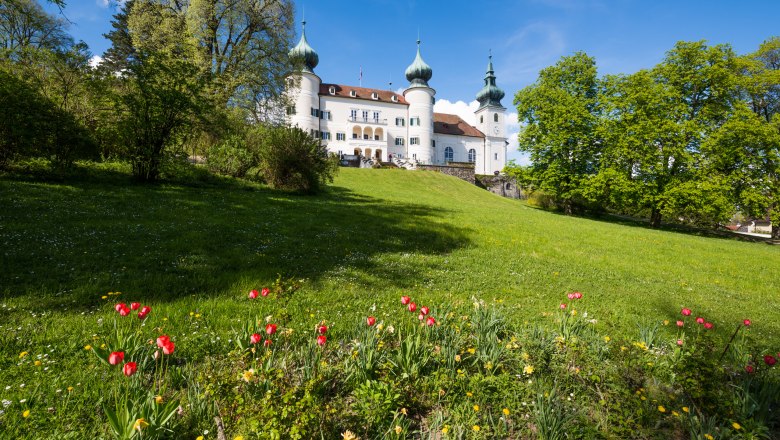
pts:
[292, 160]
[231, 157]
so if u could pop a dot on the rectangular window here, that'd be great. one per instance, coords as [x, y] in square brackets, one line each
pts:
[414, 121]
[414, 141]
[495, 156]
[399, 141]
[315, 112]
[400, 122]
[325, 135]
[340, 136]
[291, 110]
[376, 117]
[325, 115]
[354, 135]
[365, 115]
[433, 143]
[353, 114]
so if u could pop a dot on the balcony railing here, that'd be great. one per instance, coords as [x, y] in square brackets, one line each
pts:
[361, 120]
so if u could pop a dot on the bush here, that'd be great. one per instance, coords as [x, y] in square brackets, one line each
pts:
[292, 160]
[231, 157]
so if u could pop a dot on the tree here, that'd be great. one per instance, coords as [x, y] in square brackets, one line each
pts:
[762, 79]
[24, 25]
[561, 113]
[121, 54]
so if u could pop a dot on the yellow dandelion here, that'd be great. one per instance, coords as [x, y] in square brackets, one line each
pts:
[736, 426]
[140, 424]
[475, 428]
[666, 322]
[398, 429]
[457, 358]
[623, 348]
[238, 437]
[248, 375]
[505, 411]
[158, 400]
[200, 437]
[525, 356]
[644, 398]
[528, 369]
[37, 363]
[197, 315]
[685, 409]
[607, 339]
[573, 312]
[472, 350]
[675, 413]
[404, 411]
[102, 345]
[87, 347]
[23, 354]
[446, 429]
[709, 437]
[380, 327]
[661, 409]
[476, 407]
[348, 435]
[26, 413]
[104, 297]
[489, 366]
[469, 394]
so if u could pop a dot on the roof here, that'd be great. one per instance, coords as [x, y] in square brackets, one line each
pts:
[362, 93]
[444, 123]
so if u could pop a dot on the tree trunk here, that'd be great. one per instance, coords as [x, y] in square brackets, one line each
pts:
[655, 218]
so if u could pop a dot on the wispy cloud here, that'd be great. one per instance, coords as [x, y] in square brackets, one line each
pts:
[528, 50]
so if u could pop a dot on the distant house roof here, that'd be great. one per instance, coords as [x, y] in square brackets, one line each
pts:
[361, 93]
[444, 123]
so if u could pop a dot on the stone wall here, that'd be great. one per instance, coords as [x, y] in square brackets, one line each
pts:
[461, 172]
[504, 186]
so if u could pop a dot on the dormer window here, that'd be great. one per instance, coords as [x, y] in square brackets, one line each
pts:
[352, 93]
[332, 90]
[394, 98]
[374, 95]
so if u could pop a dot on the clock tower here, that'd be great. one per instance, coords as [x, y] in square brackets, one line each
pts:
[490, 121]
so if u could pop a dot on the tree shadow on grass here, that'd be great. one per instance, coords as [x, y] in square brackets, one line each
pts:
[71, 242]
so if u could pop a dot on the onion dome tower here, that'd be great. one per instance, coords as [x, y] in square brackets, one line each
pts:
[305, 90]
[490, 93]
[421, 98]
[490, 121]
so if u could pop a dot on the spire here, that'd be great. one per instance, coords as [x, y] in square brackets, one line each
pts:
[418, 73]
[490, 93]
[303, 53]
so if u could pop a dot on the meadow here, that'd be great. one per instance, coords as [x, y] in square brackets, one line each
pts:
[493, 271]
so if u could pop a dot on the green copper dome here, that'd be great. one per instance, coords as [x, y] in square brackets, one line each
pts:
[490, 94]
[419, 73]
[303, 53]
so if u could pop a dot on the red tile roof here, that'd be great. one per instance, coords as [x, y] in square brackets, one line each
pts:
[444, 123]
[361, 93]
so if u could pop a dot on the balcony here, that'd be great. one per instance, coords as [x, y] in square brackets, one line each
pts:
[360, 120]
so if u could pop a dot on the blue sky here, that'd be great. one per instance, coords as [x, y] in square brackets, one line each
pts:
[524, 36]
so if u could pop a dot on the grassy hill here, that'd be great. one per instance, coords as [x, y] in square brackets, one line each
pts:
[192, 250]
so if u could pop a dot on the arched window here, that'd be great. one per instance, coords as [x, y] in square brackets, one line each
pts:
[472, 155]
[448, 154]
[481, 119]
[495, 117]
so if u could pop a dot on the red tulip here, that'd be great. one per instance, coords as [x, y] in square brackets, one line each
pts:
[253, 294]
[420, 316]
[563, 306]
[270, 329]
[321, 339]
[570, 296]
[267, 343]
[129, 369]
[405, 300]
[265, 291]
[162, 340]
[371, 320]
[680, 342]
[680, 323]
[168, 348]
[750, 369]
[145, 310]
[746, 322]
[708, 325]
[424, 310]
[142, 315]
[686, 312]
[124, 311]
[430, 321]
[255, 338]
[116, 357]
[769, 360]
[577, 295]
[699, 320]
[322, 329]
[135, 306]
[119, 306]
[412, 307]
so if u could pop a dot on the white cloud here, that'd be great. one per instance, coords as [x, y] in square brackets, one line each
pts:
[107, 3]
[95, 61]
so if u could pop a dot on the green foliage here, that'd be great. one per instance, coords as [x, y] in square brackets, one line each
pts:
[292, 160]
[230, 157]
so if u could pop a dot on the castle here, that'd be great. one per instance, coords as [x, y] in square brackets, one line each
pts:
[381, 125]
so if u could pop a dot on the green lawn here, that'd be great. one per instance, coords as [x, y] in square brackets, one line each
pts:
[375, 235]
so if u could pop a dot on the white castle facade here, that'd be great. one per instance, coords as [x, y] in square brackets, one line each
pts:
[402, 128]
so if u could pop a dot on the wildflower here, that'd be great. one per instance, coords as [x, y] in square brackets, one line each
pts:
[26, 413]
[699, 320]
[405, 300]
[420, 316]
[255, 338]
[370, 321]
[685, 409]
[253, 294]
[398, 429]
[680, 323]
[412, 307]
[472, 350]
[770, 360]
[380, 327]
[162, 340]
[424, 310]
[736, 426]
[749, 369]
[70, 389]
[675, 413]
[238, 437]
[267, 343]
[404, 411]
[686, 312]
[200, 437]
[505, 411]
[140, 424]
[570, 296]
[430, 321]
[321, 339]
[270, 329]
[158, 400]
[666, 322]
[469, 394]
[168, 348]
[23, 354]
[104, 297]
[476, 407]
[37, 363]
[661, 409]
[528, 369]
[349, 435]
[708, 325]
[119, 306]
[87, 347]
[563, 306]
[457, 358]
[475, 428]
[680, 342]
[445, 429]
[746, 322]
[577, 295]
[135, 305]
[265, 291]
[129, 369]
[116, 357]
[322, 329]
[248, 375]
[708, 437]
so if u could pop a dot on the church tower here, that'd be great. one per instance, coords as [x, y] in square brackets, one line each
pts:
[420, 98]
[305, 108]
[490, 121]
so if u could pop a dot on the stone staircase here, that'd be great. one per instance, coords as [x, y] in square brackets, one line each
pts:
[406, 164]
